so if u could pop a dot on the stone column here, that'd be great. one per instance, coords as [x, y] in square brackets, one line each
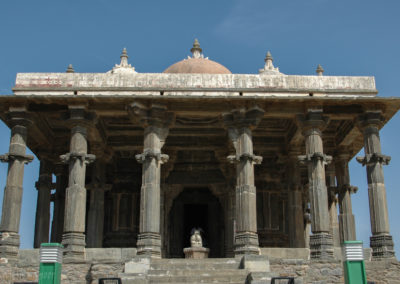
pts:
[98, 187]
[307, 227]
[321, 244]
[156, 121]
[240, 123]
[347, 227]
[295, 202]
[57, 226]
[12, 199]
[42, 222]
[332, 203]
[381, 240]
[73, 237]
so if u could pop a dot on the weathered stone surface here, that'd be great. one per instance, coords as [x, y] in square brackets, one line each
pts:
[167, 82]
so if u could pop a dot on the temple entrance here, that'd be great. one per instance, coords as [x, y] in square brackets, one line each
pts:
[196, 208]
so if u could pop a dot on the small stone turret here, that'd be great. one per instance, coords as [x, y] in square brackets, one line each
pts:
[123, 67]
[269, 68]
[320, 70]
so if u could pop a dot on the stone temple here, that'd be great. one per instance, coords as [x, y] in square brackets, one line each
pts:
[259, 162]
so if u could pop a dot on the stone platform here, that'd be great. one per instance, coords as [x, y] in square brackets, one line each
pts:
[111, 262]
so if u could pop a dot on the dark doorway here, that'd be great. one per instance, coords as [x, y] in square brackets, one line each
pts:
[195, 208]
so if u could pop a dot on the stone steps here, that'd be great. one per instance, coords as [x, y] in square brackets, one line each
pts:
[185, 271]
[207, 264]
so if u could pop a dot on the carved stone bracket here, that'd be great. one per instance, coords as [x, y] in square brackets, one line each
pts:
[372, 159]
[151, 154]
[10, 157]
[47, 184]
[317, 156]
[347, 187]
[83, 157]
[245, 157]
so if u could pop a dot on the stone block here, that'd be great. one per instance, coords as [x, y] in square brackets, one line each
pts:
[103, 254]
[255, 263]
[286, 253]
[196, 252]
[138, 265]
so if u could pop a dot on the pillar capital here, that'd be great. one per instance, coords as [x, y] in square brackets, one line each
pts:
[26, 159]
[374, 158]
[243, 118]
[313, 157]
[83, 157]
[233, 159]
[347, 188]
[370, 119]
[79, 115]
[152, 115]
[312, 122]
[149, 154]
[18, 116]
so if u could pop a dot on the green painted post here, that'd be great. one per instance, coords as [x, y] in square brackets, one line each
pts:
[50, 263]
[353, 262]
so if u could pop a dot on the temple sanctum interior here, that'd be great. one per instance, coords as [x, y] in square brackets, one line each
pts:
[141, 159]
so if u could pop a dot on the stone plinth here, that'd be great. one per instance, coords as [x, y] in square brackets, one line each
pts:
[196, 252]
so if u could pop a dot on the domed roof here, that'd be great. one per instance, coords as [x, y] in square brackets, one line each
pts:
[197, 64]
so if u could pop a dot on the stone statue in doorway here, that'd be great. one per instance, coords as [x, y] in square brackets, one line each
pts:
[195, 239]
[196, 249]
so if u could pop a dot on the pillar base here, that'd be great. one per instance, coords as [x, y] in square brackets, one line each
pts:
[382, 246]
[149, 244]
[9, 247]
[74, 247]
[246, 243]
[321, 246]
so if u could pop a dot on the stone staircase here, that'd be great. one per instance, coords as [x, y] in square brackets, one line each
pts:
[211, 270]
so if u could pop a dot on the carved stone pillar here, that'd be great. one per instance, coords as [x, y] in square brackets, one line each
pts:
[295, 202]
[240, 123]
[12, 200]
[156, 121]
[43, 186]
[321, 244]
[381, 240]
[332, 203]
[97, 188]
[347, 227]
[73, 237]
[57, 225]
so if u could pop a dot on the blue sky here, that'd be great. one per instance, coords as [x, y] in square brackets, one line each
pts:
[351, 38]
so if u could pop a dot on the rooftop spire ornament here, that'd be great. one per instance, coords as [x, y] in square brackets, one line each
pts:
[196, 49]
[70, 69]
[269, 68]
[319, 70]
[123, 67]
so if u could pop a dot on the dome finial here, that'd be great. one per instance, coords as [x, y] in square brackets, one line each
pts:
[70, 69]
[196, 49]
[319, 70]
[124, 58]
